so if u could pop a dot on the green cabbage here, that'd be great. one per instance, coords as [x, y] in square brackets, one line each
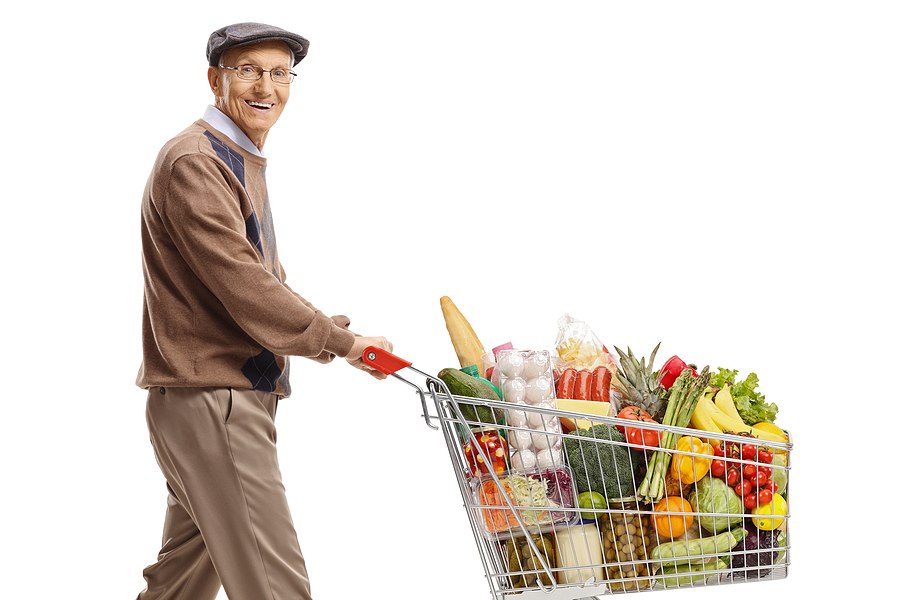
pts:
[715, 496]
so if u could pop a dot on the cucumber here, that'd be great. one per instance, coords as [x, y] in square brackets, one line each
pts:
[462, 384]
[687, 574]
[668, 554]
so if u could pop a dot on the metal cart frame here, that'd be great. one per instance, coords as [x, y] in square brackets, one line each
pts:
[447, 417]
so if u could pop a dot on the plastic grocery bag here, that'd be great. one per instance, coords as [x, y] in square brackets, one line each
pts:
[577, 347]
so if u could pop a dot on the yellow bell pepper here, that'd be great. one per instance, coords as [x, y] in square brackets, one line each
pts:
[688, 468]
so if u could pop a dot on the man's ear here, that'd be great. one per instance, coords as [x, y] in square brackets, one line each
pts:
[215, 81]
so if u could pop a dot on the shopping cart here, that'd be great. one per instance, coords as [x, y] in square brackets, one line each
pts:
[536, 541]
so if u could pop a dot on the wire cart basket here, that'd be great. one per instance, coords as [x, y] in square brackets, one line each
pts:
[540, 536]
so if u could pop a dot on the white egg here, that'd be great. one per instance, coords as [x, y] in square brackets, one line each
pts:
[520, 439]
[517, 418]
[511, 364]
[523, 460]
[538, 390]
[536, 364]
[543, 441]
[552, 425]
[536, 420]
[549, 457]
[514, 390]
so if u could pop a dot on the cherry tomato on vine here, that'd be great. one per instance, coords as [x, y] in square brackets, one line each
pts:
[717, 467]
[766, 470]
[764, 496]
[748, 452]
[759, 479]
[719, 450]
[732, 476]
[750, 501]
[771, 486]
[749, 471]
[743, 488]
[764, 456]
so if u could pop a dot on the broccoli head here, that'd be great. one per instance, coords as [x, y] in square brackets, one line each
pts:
[598, 465]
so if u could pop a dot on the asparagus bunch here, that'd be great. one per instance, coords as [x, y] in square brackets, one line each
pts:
[683, 398]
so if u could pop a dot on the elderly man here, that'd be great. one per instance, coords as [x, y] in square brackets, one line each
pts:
[219, 322]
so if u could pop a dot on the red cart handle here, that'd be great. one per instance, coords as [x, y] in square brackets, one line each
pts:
[382, 360]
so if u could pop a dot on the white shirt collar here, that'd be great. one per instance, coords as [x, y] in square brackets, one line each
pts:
[219, 120]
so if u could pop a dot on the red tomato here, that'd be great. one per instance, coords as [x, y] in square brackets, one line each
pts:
[764, 496]
[638, 436]
[748, 451]
[631, 412]
[764, 456]
[766, 470]
[732, 476]
[743, 488]
[750, 501]
[759, 479]
[749, 471]
[719, 450]
[717, 468]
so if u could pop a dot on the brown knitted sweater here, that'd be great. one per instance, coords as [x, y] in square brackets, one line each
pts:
[217, 310]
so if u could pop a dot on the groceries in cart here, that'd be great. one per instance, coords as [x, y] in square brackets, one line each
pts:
[595, 469]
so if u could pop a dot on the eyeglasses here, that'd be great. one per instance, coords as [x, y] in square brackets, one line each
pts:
[255, 73]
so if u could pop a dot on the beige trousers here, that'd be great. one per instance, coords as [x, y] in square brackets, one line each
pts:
[228, 522]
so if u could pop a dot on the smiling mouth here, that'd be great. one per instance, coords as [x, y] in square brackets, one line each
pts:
[259, 105]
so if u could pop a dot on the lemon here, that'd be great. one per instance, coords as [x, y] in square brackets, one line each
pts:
[770, 516]
[774, 430]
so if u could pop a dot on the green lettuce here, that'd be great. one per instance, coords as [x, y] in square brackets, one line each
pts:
[750, 404]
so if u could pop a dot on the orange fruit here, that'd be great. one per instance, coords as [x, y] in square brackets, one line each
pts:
[670, 525]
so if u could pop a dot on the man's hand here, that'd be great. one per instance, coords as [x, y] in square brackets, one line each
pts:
[361, 343]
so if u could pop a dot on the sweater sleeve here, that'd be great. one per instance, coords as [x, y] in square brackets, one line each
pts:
[201, 211]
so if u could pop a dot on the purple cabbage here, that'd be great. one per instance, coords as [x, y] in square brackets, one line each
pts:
[753, 553]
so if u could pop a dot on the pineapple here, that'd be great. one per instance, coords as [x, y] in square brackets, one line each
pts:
[640, 386]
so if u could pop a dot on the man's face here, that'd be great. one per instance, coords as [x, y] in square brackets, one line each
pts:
[254, 106]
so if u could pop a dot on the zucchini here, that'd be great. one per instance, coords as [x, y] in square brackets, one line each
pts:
[462, 384]
[669, 554]
[678, 575]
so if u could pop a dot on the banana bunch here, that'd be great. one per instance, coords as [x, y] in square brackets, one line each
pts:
[716, 414]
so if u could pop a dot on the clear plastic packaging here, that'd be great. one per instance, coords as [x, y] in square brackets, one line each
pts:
[526, 382]
[544, 499]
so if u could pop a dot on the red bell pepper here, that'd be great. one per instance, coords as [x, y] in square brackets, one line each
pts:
[672, 369]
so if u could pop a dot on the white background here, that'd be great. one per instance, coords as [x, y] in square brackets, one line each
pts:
[720, 178]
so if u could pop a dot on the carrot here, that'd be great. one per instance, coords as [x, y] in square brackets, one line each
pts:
[497, 519]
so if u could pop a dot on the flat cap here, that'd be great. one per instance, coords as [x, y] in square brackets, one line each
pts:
[244, 34]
